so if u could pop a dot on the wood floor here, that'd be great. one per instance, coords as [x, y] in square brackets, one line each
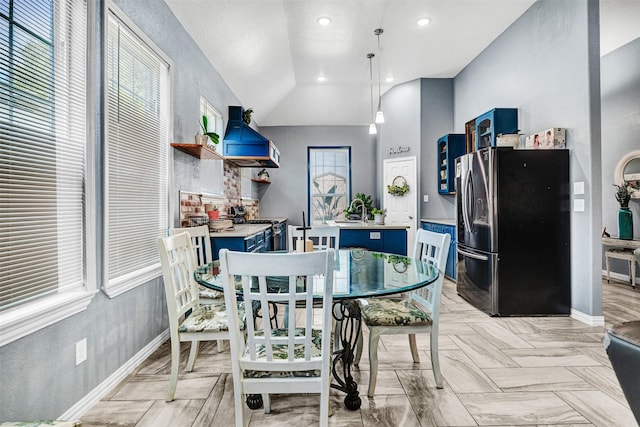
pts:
[527, 371]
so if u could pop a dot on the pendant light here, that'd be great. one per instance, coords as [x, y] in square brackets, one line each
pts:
[379, 113]
[372, 126]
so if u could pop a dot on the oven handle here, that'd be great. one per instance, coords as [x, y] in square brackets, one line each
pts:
[474, 256]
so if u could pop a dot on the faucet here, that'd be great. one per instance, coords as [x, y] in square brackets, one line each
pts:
[364, 209]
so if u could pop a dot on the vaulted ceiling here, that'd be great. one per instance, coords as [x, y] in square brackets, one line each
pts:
[270, 52]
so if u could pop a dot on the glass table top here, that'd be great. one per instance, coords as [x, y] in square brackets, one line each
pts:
[357, 273]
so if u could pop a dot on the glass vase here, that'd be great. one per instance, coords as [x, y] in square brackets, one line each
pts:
[625, 224]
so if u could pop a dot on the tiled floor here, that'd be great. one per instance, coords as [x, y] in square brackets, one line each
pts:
[540, 371]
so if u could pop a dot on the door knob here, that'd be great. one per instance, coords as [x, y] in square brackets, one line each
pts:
[410, 216]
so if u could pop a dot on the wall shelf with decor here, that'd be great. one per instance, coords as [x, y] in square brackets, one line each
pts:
[261, 181]
[450, 147]
[200, 151]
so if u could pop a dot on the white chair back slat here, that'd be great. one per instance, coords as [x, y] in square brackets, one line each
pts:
[200, 240]
[433, 248]
[323, 237]
[176, 256]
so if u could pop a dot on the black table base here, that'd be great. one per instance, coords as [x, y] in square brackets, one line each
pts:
[347, 316]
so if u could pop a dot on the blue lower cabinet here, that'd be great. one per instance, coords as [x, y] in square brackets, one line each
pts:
[390, 241]
[450, 270]
[254, 243]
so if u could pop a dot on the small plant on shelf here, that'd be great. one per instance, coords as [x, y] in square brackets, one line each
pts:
[213, 137]
[623, 194]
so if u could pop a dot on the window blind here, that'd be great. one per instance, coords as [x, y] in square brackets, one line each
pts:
[137, 145]
[43, 47]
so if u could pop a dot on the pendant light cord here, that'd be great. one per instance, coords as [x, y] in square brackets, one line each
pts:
[370, 56]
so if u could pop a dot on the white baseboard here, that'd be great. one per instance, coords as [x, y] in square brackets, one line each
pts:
[586, 318]
[82, 406]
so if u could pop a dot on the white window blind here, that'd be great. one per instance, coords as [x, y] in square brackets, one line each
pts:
[137, 144]
[43, 54]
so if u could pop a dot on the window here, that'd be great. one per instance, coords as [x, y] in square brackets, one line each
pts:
[245, 183]
[43, 116]
[138, 97]
[211, 170]
[329, 182]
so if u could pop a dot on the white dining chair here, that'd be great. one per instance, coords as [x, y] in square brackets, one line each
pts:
[419, 313]
[201, 242]
[291, 359]
[323, 237]
[189, 321]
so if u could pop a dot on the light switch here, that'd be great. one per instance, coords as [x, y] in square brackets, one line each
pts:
[425, 198]
[578, 205]
[578, 187]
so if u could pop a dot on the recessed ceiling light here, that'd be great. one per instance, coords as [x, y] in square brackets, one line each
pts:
[424, 21]
[389, 79]
[321, 79]
[324, 20]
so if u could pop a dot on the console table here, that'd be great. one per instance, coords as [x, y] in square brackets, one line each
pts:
[622, 249]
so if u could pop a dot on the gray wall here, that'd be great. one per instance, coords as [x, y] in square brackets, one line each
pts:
[287, 194]
[620, 130]
[546, 64]
[38, 376]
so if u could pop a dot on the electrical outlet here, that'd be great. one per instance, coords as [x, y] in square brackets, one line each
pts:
[81, 351]
[425, 198]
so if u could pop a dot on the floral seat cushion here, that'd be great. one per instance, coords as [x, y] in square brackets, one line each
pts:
[280, 352]
[210, 318]
[390, 312]
[204, 292]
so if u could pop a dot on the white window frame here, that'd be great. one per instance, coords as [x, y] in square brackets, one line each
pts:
[126, 283]
[212, 170]
[31, 317]
[310, 188]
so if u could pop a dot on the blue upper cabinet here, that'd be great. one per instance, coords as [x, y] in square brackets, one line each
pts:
[450, 147]
[493, 123]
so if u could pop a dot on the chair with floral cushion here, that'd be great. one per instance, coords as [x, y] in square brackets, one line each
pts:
[189, 321]
[419, 313]
[201, 242]
[292, 359]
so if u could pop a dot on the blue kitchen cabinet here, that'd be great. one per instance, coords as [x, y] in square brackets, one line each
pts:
[493, 123]
[450, 147]
[438, 227]
[254, 243]
[392, 241]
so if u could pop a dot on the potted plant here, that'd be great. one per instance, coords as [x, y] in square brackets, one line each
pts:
[378, 215]
[214, 213]
[625, 218]
[210, 139]
[357, 210]
[246, 116]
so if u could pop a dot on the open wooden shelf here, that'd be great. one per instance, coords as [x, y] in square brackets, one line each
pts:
[260, 181]
[199, 151]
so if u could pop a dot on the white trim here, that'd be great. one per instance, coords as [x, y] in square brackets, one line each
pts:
[586, 318]
[94, 396]
[29, 318]
[126, 283]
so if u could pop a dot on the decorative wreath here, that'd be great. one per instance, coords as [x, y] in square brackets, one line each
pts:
[398, 190]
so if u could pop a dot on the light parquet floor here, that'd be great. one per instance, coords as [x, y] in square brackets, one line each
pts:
[519, 371]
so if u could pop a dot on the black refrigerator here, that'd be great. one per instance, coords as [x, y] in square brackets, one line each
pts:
[514, 231]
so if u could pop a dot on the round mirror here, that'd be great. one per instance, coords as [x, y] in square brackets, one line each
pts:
[628, 170]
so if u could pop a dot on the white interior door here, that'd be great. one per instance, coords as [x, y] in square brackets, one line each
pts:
[402, 209]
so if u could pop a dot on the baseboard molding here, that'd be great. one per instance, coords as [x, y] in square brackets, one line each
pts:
[586, 318]
[94, 396]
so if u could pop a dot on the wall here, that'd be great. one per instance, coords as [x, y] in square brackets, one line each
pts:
[38, 373]
[620, 130]
[287, 194]
[546, 64]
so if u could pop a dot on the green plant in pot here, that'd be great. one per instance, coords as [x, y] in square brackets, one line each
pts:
[378, 215]
[625, 218]
[357, 210]
[246, 116]
[207, 138]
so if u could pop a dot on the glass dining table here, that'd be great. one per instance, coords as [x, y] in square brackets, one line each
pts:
[358, 273]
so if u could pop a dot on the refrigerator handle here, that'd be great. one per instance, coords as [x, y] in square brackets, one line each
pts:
[465, 202]
[474, 256]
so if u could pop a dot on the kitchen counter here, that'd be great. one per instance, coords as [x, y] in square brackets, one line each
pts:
[358, 225]
[242, 230]
[444, 221]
